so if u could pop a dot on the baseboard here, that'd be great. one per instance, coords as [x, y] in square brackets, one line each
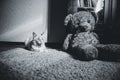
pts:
[54, 45]
[50, 44]
[11, 43]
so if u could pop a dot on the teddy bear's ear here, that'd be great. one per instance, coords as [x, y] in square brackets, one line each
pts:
[67, 19]
[95, 16]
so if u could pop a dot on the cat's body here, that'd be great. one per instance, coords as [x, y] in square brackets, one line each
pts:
[35, 43]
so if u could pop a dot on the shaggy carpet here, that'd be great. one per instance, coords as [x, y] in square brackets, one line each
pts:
[21, 64]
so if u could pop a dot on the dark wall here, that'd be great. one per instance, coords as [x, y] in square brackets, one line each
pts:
[57, 13]
[117, 21]
[114, 33]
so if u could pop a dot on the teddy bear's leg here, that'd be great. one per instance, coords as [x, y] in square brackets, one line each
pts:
[86, 52]
[108, 51]
[90, 52]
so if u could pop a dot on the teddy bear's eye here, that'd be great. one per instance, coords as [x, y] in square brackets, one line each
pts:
[88, 21]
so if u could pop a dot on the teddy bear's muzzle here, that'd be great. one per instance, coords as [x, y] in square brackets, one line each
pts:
[84, 27]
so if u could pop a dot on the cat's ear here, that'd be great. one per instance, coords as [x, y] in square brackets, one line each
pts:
[95, 16]
[42, 34]
[34, 35]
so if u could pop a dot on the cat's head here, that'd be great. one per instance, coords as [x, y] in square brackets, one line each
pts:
[34, 40]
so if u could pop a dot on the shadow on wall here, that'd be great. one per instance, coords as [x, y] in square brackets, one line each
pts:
[19, 18]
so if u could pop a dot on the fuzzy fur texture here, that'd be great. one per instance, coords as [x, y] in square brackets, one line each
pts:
[81, 38]
[109, 51]
[21, 64]
[35, 43]
[74, 21]
[82, 45]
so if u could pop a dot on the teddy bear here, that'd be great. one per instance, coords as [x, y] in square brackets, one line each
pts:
[81, 38]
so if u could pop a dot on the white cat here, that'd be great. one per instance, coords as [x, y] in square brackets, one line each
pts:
[35, 43]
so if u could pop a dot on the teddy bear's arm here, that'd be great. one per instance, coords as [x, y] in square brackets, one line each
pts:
[67, 19]
[95, 35]
[67, 41]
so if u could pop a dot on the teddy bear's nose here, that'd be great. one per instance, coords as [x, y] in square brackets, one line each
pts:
[83, 29]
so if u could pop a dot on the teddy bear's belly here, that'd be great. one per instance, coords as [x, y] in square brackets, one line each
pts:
[81, 39]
